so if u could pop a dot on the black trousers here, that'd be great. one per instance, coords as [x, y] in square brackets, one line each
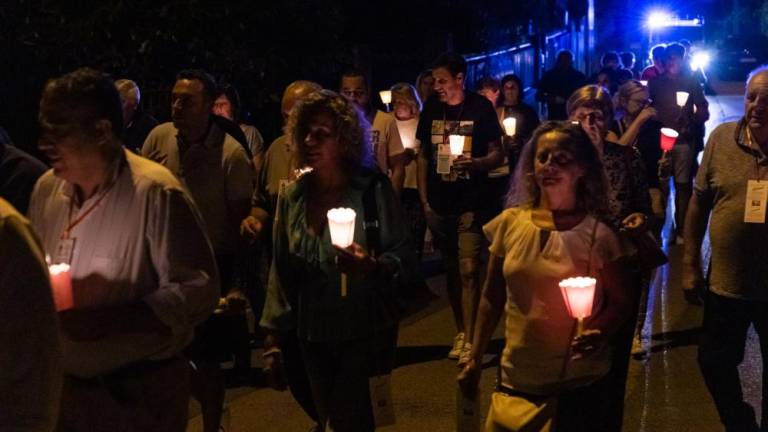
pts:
[339, 374]
[721, 350]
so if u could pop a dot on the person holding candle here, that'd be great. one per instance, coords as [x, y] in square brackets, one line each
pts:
[345, 340]
[688, 120]
[550, 231]
[30, 366]
[450, 186]
[142, 269]
[629, 207]
[406, 109]
[729, 205]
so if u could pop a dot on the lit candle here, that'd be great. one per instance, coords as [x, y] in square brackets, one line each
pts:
[668, 138]
[61, 284]
[457, 144]
[341, 222]
[510, 126]
[386, 96]
[579, 295]
[682, 98]
[644, 83]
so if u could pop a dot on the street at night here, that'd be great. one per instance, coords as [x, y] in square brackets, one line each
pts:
[325, 216]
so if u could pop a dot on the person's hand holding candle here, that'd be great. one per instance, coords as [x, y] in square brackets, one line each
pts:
[355, 260]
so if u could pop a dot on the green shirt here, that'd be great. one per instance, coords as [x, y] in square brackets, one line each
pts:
[304, 290]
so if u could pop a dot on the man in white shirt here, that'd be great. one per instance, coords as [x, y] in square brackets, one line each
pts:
[143, 273]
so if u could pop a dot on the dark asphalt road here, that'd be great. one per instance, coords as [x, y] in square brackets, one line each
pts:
[665, 391]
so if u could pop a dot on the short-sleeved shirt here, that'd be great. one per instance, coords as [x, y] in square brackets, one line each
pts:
[739, 252]
[386, 140]
[475, 119]
[218, 174]
[538, 328]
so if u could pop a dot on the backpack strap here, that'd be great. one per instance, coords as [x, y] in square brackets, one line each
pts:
[371, 224]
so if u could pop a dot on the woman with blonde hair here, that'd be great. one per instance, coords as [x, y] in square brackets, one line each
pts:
[551, 379]
[346, 336]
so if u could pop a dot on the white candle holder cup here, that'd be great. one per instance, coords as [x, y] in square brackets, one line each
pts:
[510, 126]
[386, 97]
[341, 223]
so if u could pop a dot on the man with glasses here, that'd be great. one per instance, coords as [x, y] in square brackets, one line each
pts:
[142, 270]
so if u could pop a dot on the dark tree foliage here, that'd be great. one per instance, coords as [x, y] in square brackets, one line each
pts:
[257, 45]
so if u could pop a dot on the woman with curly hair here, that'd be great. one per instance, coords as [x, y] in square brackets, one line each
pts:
[550, 378]
[345, 339]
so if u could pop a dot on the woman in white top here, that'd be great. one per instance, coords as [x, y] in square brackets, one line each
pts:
[550, 379]
[406, 107]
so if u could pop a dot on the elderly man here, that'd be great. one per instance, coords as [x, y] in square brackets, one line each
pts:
[142, 269]
[449, 185]
[29, 389]
[217, 171]
[136, 123]
[731, 192]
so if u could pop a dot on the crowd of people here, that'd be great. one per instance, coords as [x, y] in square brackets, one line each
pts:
[169, 231]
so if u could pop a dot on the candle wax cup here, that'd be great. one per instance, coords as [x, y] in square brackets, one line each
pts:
[386, 96]
[457, 144]
[510, 126]
[341, 223]
[668, 138]
[578, 295]
[61, 285]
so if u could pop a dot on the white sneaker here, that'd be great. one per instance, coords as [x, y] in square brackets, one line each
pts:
[466, 354]
[458, 344]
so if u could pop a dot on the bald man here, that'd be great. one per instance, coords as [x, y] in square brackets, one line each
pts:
[284, 365]
[731, 188]
[136, 123]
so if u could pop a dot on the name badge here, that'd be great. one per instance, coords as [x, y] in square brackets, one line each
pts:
[757, 196]
[444, 159]
[64, 251]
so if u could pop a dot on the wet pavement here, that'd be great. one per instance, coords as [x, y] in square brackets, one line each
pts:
[665, 391]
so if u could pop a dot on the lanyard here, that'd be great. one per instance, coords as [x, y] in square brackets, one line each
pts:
[72, 224]
[754, 154]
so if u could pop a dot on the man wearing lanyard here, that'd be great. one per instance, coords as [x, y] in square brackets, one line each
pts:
[731, 187]
[449, 185]
[142, 269]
